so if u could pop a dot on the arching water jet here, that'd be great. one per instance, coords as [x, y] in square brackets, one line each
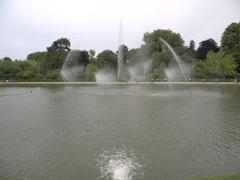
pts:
[178, 60]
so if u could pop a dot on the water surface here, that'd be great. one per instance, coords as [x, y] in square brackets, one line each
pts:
[59, 132]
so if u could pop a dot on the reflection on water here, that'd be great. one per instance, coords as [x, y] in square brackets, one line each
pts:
[56, 132]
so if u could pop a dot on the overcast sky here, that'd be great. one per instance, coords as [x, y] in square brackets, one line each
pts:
[32, 25]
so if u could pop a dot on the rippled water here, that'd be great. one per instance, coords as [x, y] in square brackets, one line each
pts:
[139, 132]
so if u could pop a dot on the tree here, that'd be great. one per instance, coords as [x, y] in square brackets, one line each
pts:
[107, 58]
[7, 59]
[52, 74]
[158, 72]
[57, 52]
[192, 46]
[90, 71]
[62, 44]
[156, 50]
[152, 40]
[77, 58]
[205, 47]
[230, 41]
[84, 58]
[37, 56]
[216, 65]
[92, 54]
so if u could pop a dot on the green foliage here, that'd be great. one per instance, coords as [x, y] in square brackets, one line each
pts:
[152, 39]
[78, 57]
[157, 72]
[84, 58]
[7, 59]
[205, 47]
[160, 58]
[107, 58]
[160, 55]
[230, 41]
[52, 74]
[201, 69]
[37, 56]
[57, 53]
[90, 71]
[223, 177]
[192, 46]
[46, 65]
[216, 65]
[92, 54]
[21, 70]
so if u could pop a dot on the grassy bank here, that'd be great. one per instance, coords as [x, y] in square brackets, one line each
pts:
[235, 176]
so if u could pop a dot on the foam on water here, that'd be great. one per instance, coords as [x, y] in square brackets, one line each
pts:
[118, 164]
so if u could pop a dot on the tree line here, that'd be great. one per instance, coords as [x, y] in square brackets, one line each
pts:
[209, 61]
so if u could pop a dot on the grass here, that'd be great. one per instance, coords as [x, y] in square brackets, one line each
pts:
[235, 176]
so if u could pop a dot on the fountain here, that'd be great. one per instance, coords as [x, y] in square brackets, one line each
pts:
[105, 75]
[138, 72]
[120, 54]
[171, 72]
[71, 69]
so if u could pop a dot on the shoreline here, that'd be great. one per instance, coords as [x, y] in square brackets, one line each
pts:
[118, 83]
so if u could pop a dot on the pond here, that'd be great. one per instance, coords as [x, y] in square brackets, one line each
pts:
[52, 132]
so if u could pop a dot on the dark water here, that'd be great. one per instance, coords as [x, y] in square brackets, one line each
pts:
[58, 132]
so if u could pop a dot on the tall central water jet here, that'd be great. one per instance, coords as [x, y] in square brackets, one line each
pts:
[177, 58]
[120, 53]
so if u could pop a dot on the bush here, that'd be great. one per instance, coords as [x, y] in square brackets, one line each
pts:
[52, 74]
[216, 65]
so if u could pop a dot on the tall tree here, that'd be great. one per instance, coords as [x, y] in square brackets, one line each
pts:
[230, 41]
[154, 46]
[7, 59]
[192, 46]
[84, 58]
[153, 42]
[205, 47]
[78, 57]
[57, 52]
[92, 54]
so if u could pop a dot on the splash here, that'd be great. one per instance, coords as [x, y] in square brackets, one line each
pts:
[138, 72]
[118, 164]
[105, 75]
[172, 74]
